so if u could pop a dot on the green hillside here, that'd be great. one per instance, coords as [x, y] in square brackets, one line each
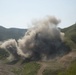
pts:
[70, 35]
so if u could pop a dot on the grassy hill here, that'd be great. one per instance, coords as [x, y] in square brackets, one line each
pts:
[14, 33]
[70, 35]
[70, 32]
[32, 68]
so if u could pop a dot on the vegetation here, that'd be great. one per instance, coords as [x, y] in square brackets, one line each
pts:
[30, 68]
[70, 43]
[71, 70]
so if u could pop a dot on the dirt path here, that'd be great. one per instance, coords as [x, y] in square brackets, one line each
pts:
[69, 57]
[43, 66]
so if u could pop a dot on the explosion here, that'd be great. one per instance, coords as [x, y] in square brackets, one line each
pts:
[41, 42]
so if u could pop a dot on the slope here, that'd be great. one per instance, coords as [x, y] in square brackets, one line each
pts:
[70, 35]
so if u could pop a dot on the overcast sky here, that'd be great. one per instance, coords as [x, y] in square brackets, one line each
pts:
[20, 13]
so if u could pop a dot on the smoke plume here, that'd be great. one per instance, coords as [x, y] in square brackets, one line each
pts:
[11, 47]
[43, 41]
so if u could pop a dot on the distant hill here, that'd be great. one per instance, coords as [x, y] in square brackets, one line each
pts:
[7, 33]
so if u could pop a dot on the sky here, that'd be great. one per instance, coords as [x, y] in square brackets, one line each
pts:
[20, 13]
